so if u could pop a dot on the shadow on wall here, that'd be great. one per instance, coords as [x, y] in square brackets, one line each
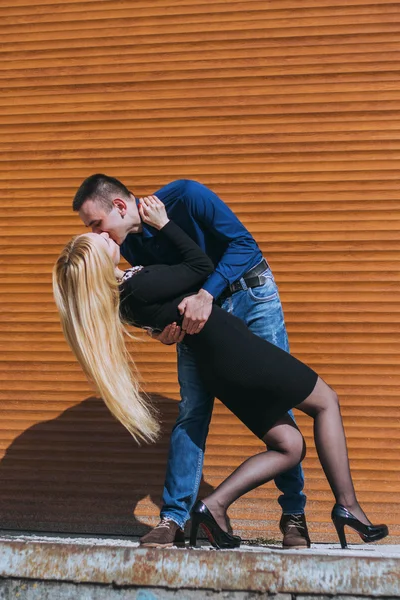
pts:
[83, 473]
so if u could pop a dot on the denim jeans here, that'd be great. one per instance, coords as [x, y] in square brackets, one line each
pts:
[260, 308]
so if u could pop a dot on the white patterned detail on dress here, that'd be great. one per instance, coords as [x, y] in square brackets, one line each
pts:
[130, 272]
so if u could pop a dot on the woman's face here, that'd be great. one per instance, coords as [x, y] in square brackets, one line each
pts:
[104, 241]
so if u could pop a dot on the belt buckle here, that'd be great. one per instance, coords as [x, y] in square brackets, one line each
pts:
[236, 286]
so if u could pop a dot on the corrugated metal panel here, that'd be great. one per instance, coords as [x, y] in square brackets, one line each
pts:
[290, 111]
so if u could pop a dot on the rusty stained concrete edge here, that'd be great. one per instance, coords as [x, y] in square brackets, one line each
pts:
[272, 571]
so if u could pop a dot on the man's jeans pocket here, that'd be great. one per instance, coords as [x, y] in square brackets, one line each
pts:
[266, 292]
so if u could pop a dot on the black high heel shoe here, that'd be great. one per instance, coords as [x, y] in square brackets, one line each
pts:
[217, 537]
[368, 533]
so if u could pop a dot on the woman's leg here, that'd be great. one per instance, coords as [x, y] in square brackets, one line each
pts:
[323, 406]
[286, 448]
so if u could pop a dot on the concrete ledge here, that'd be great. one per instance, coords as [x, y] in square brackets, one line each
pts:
[371, 571]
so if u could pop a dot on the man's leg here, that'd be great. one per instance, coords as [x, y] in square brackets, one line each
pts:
[260, 308]
[186, 453]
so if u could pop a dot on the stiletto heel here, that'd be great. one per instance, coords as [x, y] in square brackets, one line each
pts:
[368, 533]
[216, 536]
[340, 531]
[193, 530]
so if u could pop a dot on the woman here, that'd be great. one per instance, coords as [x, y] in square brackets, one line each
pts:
[256, 380]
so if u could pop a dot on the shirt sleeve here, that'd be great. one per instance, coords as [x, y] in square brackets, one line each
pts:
[164, 282]
[215, 216]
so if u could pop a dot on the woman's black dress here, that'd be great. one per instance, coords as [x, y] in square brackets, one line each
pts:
[256, 380]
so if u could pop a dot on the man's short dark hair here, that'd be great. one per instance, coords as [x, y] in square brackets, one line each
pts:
[100, 187]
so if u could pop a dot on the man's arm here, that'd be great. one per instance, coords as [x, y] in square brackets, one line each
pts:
[240, 255]
[217, 218]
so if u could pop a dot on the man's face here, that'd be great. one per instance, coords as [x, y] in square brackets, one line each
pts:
[121, 220]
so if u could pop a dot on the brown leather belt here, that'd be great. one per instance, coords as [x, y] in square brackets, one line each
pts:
[252, 278]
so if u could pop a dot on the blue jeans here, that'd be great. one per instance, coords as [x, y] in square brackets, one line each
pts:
[260, 308]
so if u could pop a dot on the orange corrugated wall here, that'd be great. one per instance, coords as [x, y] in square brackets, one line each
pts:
[289, 110]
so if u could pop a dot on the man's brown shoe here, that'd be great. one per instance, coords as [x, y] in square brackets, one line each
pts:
[295, 532]
[164, 535]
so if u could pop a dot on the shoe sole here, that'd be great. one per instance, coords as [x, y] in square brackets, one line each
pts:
[296, 547]
[213, 543]
[168, 545]
[155, 545]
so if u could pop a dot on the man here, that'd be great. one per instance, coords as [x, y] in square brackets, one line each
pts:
[242, 283]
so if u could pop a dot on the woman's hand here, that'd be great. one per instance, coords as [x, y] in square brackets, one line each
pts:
[171, 334]
[152, 211]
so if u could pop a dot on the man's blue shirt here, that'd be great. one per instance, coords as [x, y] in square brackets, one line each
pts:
[210, 223]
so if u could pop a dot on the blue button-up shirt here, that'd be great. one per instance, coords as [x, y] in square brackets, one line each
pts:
[210, 223]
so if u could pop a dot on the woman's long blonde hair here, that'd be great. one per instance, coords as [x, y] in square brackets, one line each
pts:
[87, 297]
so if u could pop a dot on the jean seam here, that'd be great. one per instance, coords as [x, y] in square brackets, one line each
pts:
[198, 477]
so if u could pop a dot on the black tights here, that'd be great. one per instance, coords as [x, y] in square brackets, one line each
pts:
[286, 448]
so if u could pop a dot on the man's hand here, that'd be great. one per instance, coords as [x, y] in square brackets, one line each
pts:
[196, 310]
[171, 334]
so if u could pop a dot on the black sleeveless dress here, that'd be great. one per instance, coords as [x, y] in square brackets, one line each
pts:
[256, 380]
